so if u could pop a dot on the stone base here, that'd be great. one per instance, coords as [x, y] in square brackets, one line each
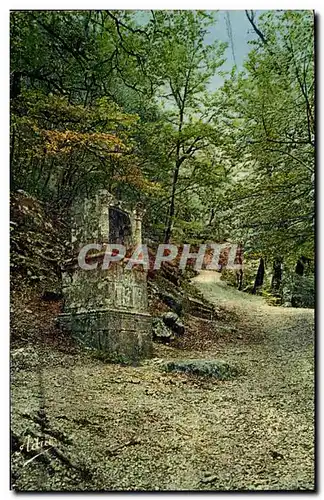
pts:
[121, 334]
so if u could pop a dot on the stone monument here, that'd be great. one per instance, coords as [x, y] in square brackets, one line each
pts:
[106, 309]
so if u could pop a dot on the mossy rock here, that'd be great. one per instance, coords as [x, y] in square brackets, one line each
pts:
[201, 367]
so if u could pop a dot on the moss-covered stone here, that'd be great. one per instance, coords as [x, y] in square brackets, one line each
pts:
[106, 309]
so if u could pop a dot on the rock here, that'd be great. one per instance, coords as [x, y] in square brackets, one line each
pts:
[206, 368]
[179, 328]
[170, 273]
[173, 302]
[172, 320]
[200, 309]
[161, 332]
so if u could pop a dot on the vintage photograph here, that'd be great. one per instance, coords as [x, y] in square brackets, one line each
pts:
[162, 250]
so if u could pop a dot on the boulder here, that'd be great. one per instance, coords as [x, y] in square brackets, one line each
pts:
[161, 332]
[172, 320]
[200, 309]
[173, 302]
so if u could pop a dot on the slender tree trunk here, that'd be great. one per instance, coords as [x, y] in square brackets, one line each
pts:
[239, 279]
[168, 229]
[239, 260]
[50, 169]
[277, 275]
[259, 276]
[169, 223]
[15, 85]
[212, 215]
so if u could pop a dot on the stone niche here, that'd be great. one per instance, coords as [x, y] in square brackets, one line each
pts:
[106, 309]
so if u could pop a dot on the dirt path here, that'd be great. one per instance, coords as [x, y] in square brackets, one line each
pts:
[139, 428]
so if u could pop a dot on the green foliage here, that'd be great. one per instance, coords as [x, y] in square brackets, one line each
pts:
[62, 151]
[271, 107]
[121, 100]
[300, 290]
[304, 291]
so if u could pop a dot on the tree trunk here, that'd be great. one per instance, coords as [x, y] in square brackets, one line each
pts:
[239, 279]
[168, 229]
[259, 276]
[212, 215]
[300, 266]
[15, 85]
[277, 275]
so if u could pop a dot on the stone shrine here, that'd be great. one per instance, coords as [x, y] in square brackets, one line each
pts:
[106, 309]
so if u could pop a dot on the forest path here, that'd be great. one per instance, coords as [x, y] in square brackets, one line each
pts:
[139, 428]
[288, 332]
[279, 367]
